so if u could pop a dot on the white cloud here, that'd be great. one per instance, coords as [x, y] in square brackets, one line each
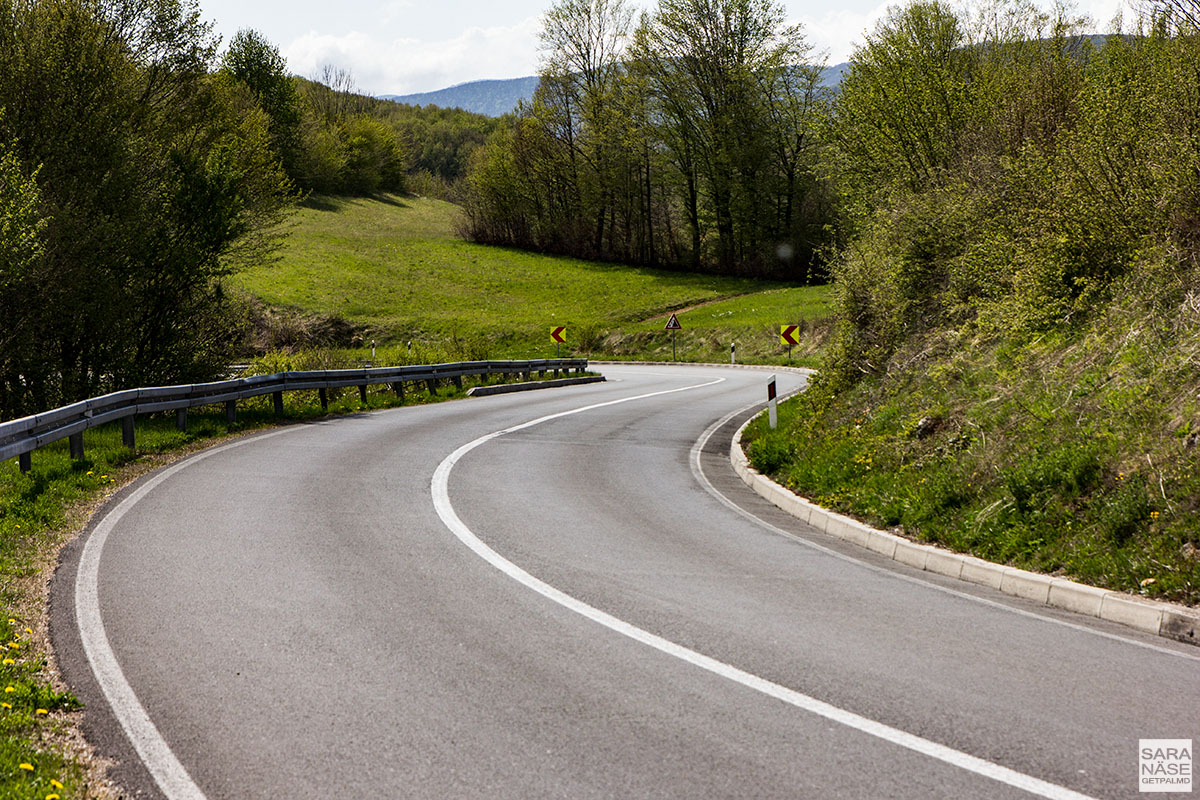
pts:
[838, 32]
[403, 66]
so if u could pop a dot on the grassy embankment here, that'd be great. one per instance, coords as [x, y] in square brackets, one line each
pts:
[1074, 453]
[395, 268]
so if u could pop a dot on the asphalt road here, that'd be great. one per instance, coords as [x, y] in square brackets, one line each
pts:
[404, 604]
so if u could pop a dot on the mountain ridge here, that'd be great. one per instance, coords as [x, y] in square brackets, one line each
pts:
[496, 97]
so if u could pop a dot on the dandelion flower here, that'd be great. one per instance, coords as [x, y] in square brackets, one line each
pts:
[5, 705]
[52, 796]
[11, 621]
[41, 711]
[55, 784]
[9, 661]
[25, 765]
[9, 689]
[29, 631]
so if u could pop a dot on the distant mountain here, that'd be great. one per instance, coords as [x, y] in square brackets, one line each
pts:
[495, 98]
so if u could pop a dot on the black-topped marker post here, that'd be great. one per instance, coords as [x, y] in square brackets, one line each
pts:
[771, 415]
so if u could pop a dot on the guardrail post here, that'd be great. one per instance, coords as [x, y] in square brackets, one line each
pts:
[362, 393]
[76, 442]
[432, 384]
[127, 433]
[25, 462]
[457, 382]
[230, 411]
[277, 400]
[181, 419]
[324, 397]
[398, 388]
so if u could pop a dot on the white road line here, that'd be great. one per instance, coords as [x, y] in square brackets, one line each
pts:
[441, 501]
[698, 473]
[170, 775]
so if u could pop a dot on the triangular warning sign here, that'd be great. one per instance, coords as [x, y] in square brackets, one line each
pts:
[673, 324]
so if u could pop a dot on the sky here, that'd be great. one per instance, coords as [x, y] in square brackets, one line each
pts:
[408, 46]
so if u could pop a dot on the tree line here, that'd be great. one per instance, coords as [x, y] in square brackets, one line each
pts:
[687, 139]
[140, 165]
[331, 139]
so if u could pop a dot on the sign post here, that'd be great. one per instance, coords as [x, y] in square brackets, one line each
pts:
[771, 414]
[732, 352]
[788, 336]
[673, 325]
[559, 335]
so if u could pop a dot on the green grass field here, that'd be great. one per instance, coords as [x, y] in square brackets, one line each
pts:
[395, 266]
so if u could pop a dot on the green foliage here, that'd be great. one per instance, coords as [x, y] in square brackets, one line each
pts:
[374, 160]
[152, 183]
[257, 64]
[905, 103]
[686, 142]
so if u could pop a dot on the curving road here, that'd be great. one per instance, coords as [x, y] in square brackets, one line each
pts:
[567, 594]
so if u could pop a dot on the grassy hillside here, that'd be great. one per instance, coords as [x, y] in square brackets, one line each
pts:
[1074, 454]
[394, 267]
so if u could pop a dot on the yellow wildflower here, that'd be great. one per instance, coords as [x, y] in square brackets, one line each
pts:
[29, 631]
[41, 711]
[5, 705]
[14, 646]
[25, 765]
[55, 784]
[52, 796]
[9, 689]
[9, 661]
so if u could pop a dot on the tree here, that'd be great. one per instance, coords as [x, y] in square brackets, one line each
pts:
[717, 68]
[154, 181]
[257, 63]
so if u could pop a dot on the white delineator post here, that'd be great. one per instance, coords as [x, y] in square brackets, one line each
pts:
[771, 414]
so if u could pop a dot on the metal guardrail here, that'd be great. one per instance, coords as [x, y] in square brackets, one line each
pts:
[20, 437]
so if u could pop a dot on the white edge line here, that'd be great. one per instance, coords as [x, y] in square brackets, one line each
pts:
[698, 473]
[170, 775]
[441, 501]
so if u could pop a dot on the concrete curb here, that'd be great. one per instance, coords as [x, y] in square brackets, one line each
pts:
[760, 367]
[1161, 619]
[506, 388]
